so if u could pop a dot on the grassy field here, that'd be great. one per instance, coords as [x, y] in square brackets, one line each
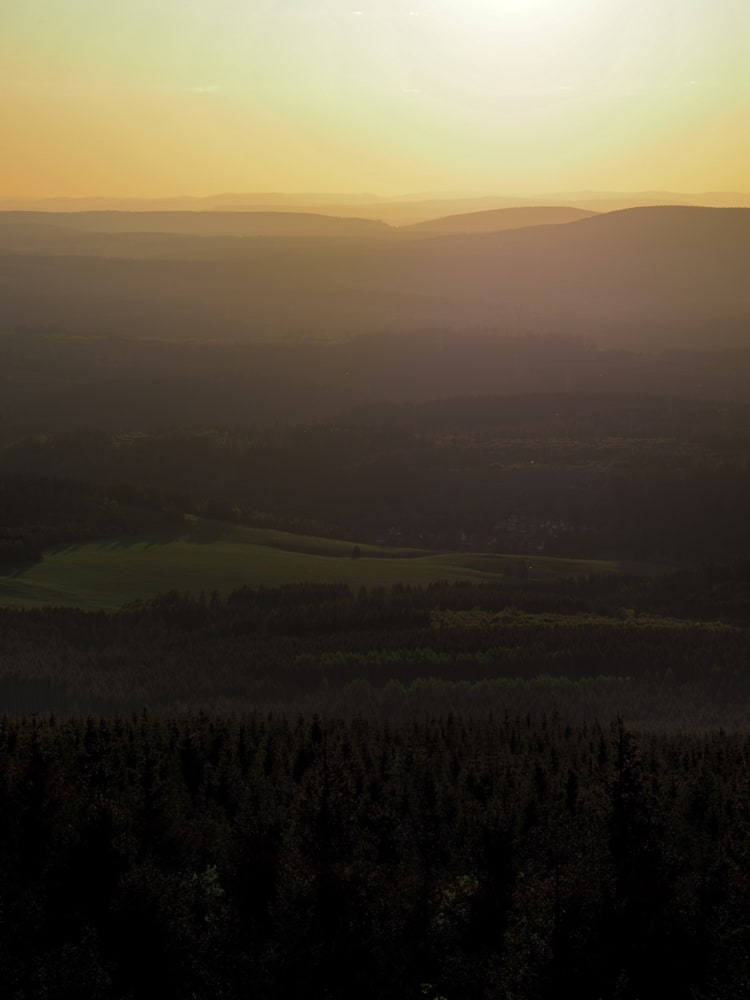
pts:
[209, 555]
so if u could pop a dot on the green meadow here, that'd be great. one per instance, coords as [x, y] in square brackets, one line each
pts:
[207, 555]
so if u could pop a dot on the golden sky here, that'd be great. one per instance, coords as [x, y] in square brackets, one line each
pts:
[165, 97]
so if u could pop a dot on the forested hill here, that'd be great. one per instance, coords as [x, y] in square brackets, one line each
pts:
[561, 475]
[57, 380]
[672, 276]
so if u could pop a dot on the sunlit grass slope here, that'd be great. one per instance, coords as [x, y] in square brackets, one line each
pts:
[208, 555]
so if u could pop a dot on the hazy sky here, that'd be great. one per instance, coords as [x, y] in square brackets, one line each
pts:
[162, 97]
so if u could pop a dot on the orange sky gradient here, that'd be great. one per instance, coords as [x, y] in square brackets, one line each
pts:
[174, 97]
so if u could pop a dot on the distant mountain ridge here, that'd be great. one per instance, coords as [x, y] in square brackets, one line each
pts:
[139, 234]
[213, 223]
[662, 277]
[498, 219]
[396, 211]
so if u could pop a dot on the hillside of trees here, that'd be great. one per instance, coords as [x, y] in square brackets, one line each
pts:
[665, 651]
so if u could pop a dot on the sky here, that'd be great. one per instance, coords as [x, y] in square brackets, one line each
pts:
[150, 98]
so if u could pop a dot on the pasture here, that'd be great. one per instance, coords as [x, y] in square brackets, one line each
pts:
[204, 555]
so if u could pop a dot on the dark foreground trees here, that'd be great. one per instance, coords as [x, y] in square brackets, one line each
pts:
[455, 857]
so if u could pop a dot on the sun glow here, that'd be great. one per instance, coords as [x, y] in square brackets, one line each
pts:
[390, 95]
[553, 9]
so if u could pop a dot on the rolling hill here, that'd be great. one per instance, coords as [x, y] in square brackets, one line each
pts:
[657, 277]
[210, 555]
[499, 219]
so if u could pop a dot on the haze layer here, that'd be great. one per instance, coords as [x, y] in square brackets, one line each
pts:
[146, 99]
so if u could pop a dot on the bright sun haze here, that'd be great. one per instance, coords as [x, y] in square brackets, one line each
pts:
[155, 97]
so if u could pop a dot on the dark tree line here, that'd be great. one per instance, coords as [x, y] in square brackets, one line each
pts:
[665, 651]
